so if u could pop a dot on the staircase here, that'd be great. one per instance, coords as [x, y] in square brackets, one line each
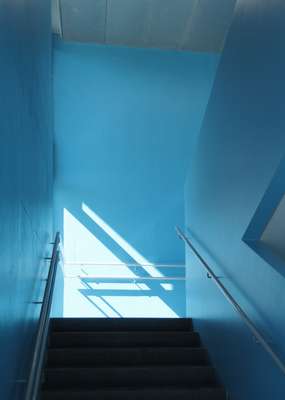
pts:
[127, 359]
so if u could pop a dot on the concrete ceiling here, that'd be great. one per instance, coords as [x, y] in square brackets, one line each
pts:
[197, 25]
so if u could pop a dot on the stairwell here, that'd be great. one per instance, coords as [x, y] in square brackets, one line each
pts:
[124, 359]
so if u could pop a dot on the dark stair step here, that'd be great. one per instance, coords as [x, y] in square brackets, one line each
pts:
[121, 324]
[86, 357]
[126, 339]
[142, 394]
[89, 378]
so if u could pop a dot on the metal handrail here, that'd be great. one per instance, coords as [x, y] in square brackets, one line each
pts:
[135, 265]
[34, 379]
[258, 336]
[127, 278]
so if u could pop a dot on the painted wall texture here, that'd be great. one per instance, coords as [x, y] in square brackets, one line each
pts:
[25, 181]
[239, 149]
[122, 121]
[125, 121]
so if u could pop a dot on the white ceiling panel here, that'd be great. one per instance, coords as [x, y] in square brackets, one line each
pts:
[209, 25]
[197, 25]
[168, 22]
[83, 20]
[128, 22]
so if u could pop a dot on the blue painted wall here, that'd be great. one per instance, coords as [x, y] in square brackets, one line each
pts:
[238, 151]
[25, 180]
[122, 121]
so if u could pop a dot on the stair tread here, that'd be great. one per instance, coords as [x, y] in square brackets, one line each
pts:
[146, 388]
[127, 359]
[126, 332]
[126, 355]
[123, 338]
[133, 367]
[165, 393]
[135, 376]
[127, 348]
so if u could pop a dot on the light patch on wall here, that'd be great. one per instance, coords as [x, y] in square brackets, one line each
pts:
[87, 300]
[122, 242]
[118, 286]
[167, 286]
[107, 290]
[80, 242]
[141, 307]
[104, 307]
[120, 271]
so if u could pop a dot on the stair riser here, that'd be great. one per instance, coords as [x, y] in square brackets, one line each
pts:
[210, 394]
[126, 357]
[124, 339]
[131, 377]
[129, 324]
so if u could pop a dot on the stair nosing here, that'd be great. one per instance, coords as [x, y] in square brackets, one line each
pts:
[136, 367]
[124, 331]
[104, 348]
